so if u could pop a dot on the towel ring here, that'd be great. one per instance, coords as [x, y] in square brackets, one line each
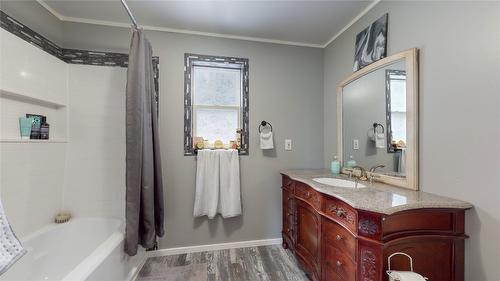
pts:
[376, 125]
[264, 124]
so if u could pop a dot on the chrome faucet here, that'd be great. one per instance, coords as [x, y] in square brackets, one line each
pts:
[372, 172]
[363, 175]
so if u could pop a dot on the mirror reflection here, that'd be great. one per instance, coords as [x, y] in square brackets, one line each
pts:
[374, 120]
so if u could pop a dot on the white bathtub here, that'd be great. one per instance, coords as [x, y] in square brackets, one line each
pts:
[82, 249]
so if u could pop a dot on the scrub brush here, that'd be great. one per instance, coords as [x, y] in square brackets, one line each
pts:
[62, 218]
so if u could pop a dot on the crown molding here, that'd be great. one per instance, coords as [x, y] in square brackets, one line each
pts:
[353, 21]
[209, 34]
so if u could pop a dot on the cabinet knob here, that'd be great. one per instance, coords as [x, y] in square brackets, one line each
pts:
[338, 237]
[339, 264]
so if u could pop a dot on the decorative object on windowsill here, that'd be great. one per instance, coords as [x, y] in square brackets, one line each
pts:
[378, 135]
[371, 44]
[233, 144]
[398, 145]
[218, 144]
[266, 135]
[239, 135]
[395, 275]
[197, 140]
[200, 144]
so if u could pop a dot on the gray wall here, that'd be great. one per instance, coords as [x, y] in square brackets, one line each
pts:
[286, 89]
[459, 46]
[459, 67]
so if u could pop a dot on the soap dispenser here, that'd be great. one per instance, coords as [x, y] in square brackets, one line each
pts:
[335, 166]
[350, 163]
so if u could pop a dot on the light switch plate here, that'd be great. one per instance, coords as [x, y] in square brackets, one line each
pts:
[355, 144]
[288, 144]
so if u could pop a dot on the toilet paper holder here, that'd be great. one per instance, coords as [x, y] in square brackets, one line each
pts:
[393, 277]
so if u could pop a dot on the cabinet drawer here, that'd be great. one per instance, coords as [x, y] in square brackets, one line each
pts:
[308, 194]
[340, 263]
[287, 183]
[421, 220]
[340, 212]
[338, 236]
[330, 275]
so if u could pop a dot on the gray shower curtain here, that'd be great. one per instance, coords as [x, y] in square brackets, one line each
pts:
[144, 206]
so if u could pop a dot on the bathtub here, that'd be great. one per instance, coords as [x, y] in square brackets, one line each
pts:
[81, 249]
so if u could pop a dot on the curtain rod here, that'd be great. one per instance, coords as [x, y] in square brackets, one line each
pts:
[134, 22]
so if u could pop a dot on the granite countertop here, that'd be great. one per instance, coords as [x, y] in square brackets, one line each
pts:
[376, 197]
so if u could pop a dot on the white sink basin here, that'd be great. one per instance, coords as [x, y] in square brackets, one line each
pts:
[338, 182]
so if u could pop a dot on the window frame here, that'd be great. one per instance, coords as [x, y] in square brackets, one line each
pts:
[190, 62]
[389, 73]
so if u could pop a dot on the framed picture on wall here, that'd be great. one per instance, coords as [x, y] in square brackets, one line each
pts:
[371, 44]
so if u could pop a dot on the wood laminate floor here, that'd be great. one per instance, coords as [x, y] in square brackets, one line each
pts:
[265, 263]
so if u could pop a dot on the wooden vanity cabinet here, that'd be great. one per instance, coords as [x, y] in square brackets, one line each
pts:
[333, 241]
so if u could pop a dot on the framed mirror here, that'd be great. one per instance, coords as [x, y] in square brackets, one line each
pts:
[377, 120]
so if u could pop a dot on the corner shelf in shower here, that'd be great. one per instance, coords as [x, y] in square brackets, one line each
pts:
[29, 99]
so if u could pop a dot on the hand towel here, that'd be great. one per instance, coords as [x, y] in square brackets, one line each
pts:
[266, 140]
[207, 183]
[230, 197]
[380, 140]
[11, 249]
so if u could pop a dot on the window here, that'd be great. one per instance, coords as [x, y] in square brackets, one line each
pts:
[215, 100]
[396, 106]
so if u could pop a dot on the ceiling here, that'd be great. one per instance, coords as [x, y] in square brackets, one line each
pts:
[309, 23]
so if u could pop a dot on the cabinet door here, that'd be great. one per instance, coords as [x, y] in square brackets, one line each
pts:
[308, 236]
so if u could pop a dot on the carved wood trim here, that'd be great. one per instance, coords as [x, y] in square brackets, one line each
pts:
[368, 226]
[368, 265]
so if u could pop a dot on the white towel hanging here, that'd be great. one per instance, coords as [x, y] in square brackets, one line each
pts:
[266, 140]
[229, 196]
[207, 183]
[217, 183]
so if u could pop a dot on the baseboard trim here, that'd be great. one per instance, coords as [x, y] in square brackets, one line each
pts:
[213, 247]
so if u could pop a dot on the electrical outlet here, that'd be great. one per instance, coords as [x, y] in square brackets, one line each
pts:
[355, 144]
[288, 144]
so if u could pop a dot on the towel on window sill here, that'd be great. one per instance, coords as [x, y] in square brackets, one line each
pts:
[217, 184]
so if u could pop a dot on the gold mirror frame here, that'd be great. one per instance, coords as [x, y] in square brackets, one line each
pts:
[411, 181]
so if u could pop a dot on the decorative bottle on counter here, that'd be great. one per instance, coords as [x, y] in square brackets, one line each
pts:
[350, 163]
[335, 166]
